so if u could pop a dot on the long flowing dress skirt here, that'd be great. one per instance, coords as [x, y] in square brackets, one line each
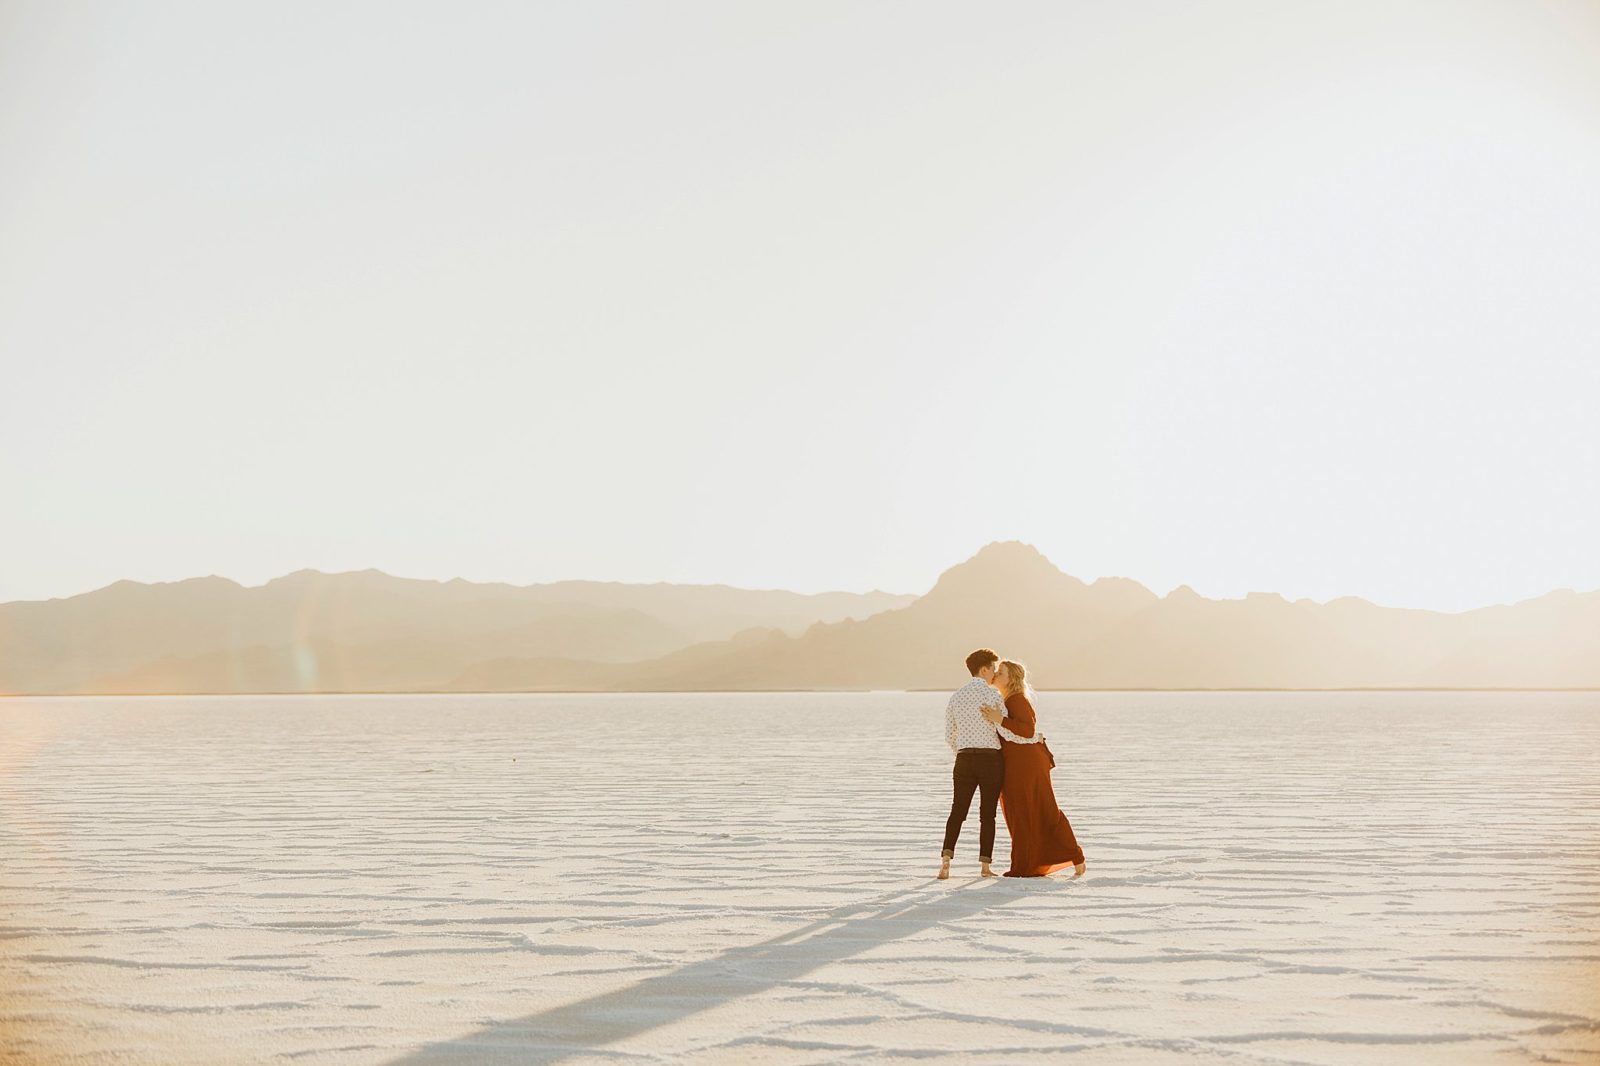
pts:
[1042, 840]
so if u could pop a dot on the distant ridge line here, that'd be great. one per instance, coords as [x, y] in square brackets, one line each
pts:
[366, 632]
[735, 691]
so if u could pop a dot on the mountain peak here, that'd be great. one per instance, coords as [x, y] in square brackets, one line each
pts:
[309, 576]
[1001, 565]
[297, 577]
[999, 549]
[1011, 558]
[125, 587]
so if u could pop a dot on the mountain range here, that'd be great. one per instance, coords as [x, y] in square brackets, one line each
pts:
[367, 631]
[370, 632]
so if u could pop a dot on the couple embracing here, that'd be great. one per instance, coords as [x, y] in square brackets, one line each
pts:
[1001, 755]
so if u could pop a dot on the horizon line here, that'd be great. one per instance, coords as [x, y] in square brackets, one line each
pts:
[825, 592]
[768, 691]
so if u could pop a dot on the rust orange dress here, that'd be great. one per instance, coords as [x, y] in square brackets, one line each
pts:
[1042, 840]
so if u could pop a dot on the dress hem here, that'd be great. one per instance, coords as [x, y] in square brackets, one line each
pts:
[1056, 867]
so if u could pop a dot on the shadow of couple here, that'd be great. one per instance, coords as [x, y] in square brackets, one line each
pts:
[589, 1025]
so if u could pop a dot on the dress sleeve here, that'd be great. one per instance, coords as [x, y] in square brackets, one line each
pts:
[1019, 716]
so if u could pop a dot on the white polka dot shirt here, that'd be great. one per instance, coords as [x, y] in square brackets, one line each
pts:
[964, 723]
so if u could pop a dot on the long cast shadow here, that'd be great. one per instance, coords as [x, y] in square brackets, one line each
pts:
[589, 1025]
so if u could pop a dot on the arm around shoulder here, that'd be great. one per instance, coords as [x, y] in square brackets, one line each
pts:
[1019, 717]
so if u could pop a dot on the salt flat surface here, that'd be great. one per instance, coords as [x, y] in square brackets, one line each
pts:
[1273, 878]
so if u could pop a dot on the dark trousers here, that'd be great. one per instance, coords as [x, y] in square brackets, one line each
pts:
[983, 770]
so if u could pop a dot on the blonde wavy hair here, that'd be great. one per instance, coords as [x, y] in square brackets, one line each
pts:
[1016, 679]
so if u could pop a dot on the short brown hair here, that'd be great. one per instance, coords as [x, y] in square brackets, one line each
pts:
[979, 659]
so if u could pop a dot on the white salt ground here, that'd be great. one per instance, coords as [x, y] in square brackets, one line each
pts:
[1273, 878]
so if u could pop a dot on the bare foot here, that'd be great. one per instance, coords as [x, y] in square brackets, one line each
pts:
[944, 870]
[986, 872]
[1077, 871]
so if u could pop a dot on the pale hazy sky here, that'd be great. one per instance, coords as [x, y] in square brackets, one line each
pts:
[814, 295]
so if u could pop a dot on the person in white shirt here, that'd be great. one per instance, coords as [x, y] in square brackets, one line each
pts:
[979, 765]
